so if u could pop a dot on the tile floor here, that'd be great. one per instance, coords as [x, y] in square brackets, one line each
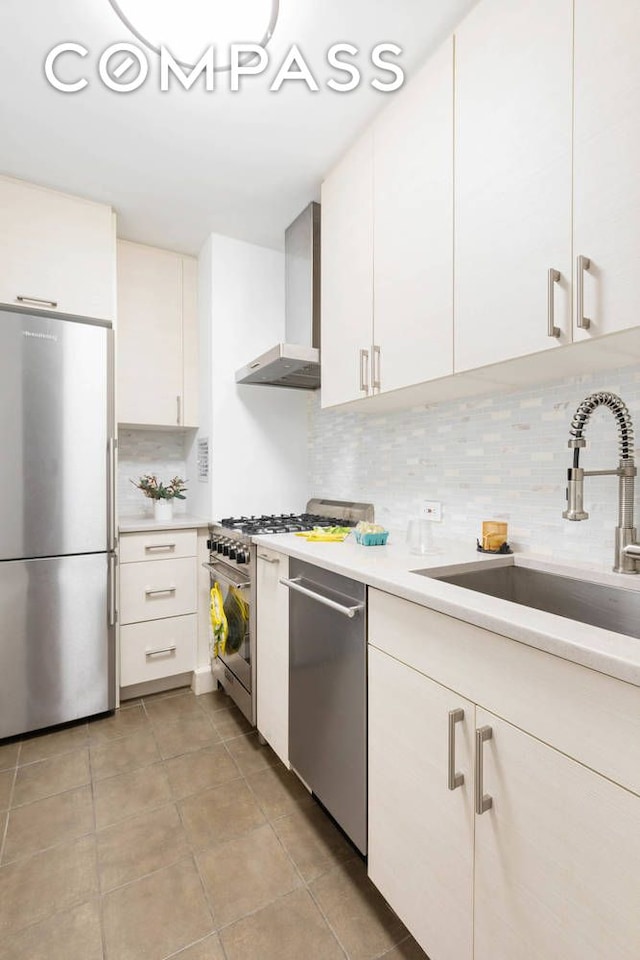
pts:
[167, 831]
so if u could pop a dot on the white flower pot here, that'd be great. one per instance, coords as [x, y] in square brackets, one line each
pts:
[163, 511]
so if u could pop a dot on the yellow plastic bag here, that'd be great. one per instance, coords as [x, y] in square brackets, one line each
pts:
[219, 625]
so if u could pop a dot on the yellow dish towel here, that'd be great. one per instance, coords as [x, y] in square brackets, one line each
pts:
[312, 537]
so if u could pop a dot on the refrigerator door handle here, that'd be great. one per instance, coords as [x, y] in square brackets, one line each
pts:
[113, 615]
[112, 536]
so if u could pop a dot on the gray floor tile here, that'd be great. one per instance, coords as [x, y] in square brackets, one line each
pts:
[48, 777]
[195, 772]
[361, 919]
[289, 929]
[246, 874]
[250, 755]
[220, 814]
[312, 841]
[9, 755]
[72, 935]
[122, 756]
[54, 744]
[130, 793]
[156, 916]
[138, 846]
[185, 735]
[47, 822]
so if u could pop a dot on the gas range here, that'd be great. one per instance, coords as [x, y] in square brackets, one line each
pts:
[232, 563]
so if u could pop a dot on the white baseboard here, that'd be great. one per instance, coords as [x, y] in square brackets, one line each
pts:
[203, 681]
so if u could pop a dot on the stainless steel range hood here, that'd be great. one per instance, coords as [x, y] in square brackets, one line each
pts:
[296, 363]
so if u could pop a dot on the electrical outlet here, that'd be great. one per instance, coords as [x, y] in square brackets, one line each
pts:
[431, 510]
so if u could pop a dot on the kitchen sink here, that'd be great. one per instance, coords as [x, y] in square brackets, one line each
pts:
[610, 607]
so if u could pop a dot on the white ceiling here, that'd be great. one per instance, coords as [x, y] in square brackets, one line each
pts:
[178, 166]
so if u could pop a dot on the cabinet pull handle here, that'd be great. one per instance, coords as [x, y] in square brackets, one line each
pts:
[159, 546]
[262, 556]
[349, 612]
[157, 593]
[454, 780]
[584, 263]
[179, 410]
[552, 330]
[364, 364]
[376, 372]
[483, 801]
[38, 301]
[157, 653]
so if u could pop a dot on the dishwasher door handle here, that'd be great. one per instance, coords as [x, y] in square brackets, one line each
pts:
[349, 612]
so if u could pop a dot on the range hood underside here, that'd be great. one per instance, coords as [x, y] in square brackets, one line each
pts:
[287, 365]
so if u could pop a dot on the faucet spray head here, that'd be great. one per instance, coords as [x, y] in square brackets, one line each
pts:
[575, 495]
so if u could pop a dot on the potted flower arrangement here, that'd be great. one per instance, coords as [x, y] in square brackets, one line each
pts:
[162, 494]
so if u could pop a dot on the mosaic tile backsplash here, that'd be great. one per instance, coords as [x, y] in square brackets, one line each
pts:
[497, 457]
[162, 452]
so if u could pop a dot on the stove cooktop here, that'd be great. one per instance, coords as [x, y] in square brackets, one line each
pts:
[281, 523]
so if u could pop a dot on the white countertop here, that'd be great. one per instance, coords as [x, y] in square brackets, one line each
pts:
[389, 568]
[181, 521]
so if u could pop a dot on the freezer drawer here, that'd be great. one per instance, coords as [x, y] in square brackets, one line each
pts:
[157, 649]
[57, 651]
[158, 545]
[157, 589]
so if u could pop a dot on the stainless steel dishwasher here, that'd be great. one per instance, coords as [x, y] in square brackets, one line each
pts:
[328, 692]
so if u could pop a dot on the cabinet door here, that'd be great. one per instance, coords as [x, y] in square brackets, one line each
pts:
[347, 275]
[420, 832]
[190, 360]
[513, 178]
[57, 253]
[272, 651]
[607, 160]
[413, 215]
[149, 336]
[556, 874]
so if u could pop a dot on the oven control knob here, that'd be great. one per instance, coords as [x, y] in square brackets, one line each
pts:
[241, 556]
[209, 544]
[233, 551]
[225, 549]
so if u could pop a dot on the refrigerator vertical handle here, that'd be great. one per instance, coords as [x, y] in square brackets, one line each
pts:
[111, 508]
[112, 590]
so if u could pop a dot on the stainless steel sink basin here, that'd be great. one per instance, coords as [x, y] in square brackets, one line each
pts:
[612, 608]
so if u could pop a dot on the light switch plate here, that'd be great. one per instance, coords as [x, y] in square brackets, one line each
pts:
[431, 510]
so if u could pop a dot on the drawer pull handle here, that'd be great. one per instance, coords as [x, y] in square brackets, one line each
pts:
[483, 801]
[454, 780]
[159, 546]
[38, 302]
[158, 653]
[157, 593]
[267, 559]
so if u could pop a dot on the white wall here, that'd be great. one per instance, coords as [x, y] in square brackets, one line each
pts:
[258, 435]
[498, 457]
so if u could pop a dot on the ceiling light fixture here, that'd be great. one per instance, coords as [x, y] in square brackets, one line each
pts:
[186, 28]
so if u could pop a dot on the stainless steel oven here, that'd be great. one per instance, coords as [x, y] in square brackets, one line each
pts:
[232, 565]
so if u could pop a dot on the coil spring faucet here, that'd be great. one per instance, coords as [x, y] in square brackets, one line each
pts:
[627, 550]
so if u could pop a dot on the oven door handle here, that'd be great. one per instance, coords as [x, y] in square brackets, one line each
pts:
[349, 612]
[215, 571]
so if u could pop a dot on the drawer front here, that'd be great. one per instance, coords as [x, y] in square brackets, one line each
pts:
[157, 589]
[159, 545]
[160, 648]
[590, 717]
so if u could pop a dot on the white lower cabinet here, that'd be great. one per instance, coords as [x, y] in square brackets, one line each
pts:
[557, 857]
[535, 855]
[420, 832]
[272, 646]
[158, 609]
[157, 649]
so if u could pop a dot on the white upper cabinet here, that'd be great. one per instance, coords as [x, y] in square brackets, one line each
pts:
[157, 337]
[607, 161]
[413, 229]
[347, 276]
[57, 253]
[513, 179]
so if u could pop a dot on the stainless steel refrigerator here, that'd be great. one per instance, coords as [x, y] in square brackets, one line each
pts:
[57, 524]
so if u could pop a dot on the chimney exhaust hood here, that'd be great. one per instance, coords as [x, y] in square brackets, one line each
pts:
[296, 363]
